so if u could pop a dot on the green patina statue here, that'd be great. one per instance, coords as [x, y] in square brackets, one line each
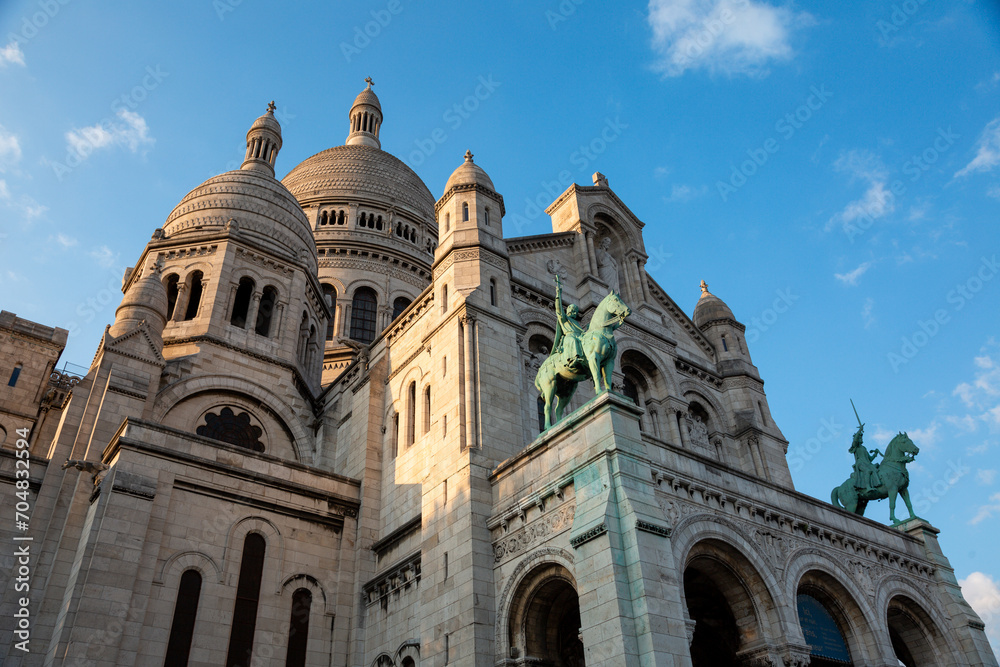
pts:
[578, 353]
[877, 481]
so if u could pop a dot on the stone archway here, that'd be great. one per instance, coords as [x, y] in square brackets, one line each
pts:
[915, 637]
[544, 626]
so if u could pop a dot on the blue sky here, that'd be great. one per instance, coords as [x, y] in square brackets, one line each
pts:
[832, 171]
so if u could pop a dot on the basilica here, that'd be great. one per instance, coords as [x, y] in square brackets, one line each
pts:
[312, 436]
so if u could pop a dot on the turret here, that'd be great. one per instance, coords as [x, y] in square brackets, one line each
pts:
[263, 143]
[366, 118]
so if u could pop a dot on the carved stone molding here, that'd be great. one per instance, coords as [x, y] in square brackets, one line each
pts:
[549, 524]
[594, 532]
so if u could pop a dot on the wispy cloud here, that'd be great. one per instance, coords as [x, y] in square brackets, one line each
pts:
[10, 149]
[11, 54]
[988, 150]
[988, 510]
[721, 36]
[878, 201]
[104, 256]
[986, 477]
[867, 312]
[852, 277]
[685, 193]
[64, 240]
[129, 131]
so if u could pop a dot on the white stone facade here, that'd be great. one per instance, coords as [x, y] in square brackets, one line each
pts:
[311, 437]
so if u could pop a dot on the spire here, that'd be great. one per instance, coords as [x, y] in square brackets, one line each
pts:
[366, 118]
[263, 143]
[704, 290]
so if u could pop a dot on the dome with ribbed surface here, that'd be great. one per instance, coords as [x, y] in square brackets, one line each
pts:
[367, 96]
[469, 173]
[248, 203]
[360, 171]
[710, 308]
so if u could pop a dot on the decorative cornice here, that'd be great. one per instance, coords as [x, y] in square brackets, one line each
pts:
[653, 528]
[408, 528]
[400, 577]
[586, 536]
[690, 369]
[541, 242]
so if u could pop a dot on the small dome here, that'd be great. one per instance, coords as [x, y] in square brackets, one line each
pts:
[267, 121]
[469, 173]
[367, 96]
[710, 308]
[145, 300]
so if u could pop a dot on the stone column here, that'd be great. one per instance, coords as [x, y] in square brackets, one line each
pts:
[469, 323]
[673, 427]
[180, 305]
[581, 247]
[252, 310]
[640, 266]
[591, 255]
[345, 322]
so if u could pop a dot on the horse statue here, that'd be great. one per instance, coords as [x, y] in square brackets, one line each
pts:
[893, 479]
[578, 353]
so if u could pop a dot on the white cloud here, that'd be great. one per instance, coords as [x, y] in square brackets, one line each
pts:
[851, 278]
[726, 36]
[104, 256]
[981, 591]
[129, 131]
[662, 171]
[10, 149]
[11, 54]
[685, 193]
[988, 153]
[988, 510]
[4, 190]
[986, 477]
[64, 240]
[866, 312]
[877, 201]
[924, 437]
[994, 192]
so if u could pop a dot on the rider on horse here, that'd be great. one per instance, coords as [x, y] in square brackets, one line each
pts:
[865, 471]
[567, 340]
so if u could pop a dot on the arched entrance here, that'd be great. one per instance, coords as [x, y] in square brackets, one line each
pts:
[544, 624]
[728, 603]
[914, 636]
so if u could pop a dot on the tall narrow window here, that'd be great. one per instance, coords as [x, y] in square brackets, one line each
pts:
[194, 301]
[363, 311]
[541, 414]
[444, 299]
[427, 409]
[330, 296]
[265, 310]
[493, 292]
[447, 222]
[247, 597]
[14, 374]
[411, 414]
[725, 345]
[465, 212]
[486, 217]
[446, 566]
[298, 628]
[763, 418]
[241, 304]
[182, 626]
[395, 435]
[399, 305]
[172, 292]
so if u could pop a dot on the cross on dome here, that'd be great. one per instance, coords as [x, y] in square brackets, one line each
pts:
[369, 81]
[271, 107]
[468, 156]
[704, 288]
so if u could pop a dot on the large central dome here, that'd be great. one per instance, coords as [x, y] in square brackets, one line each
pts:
[360, 171]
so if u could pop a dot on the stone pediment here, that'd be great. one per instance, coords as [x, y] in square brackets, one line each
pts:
[136, 344]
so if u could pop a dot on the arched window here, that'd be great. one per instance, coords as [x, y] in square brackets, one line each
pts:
[241, 304]
[340, 218]
[300, 349]
[447, 222]
[14, 374]
[541, 414]
[323, 218]
[378, 223]
[493, 292]
[172, 292]
[725, 345]
[427, 409]
[411, 413]
[444, 299]
[408, 662]
[364, 309]
[486, 217]
[630, 390]
[395, 435]
[182, 626]
[399, 305]
[247, 597]
[298, 628]
[465, 212]
[330, 295]
[265, 310]
[822, 633]
[194, 301]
